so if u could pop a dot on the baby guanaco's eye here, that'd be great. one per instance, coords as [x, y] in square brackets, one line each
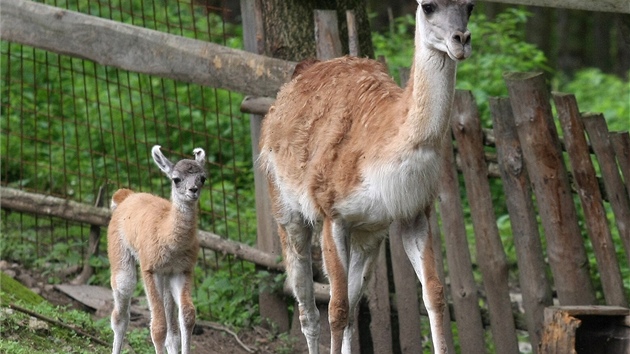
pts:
[428, 8]
[202, 179]
[471, 7]
[177, 180]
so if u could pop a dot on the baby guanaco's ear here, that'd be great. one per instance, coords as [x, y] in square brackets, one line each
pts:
[161, 161]
[200, 156]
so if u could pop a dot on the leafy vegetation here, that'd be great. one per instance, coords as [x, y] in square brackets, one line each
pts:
[596, 91]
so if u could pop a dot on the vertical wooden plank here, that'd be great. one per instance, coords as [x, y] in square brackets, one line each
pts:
[518, 196]
[621, 144]
[380, 308]
[353, 33]
[434, 230]
[491, 258]
[529, 98]
[406, 287]
[327, 34]
[273, 307]
[592, 203]
[463, 286]
[597, 130]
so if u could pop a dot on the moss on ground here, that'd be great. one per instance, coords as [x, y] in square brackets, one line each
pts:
[12, 291]
[22, 333]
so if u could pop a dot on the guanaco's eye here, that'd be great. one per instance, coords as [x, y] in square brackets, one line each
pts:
[428, 8]
[177, 180]
[202, 179]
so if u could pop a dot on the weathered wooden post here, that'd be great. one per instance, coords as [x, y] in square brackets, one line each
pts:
[466, 127]
[273, 307]
[597, 130]
[537, 133]
[592, 203]
[463, 286]
[518, 196]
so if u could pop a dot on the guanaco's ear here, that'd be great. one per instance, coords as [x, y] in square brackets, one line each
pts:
[163, 163]
[200, 156]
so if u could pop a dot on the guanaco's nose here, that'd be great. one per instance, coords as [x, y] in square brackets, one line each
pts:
[462, 38]
[193, 189]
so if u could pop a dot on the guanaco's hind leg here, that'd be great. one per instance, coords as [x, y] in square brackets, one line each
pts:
[362, 260]
[296, 243]
[418, 246]
[123, 282]
[336, 252]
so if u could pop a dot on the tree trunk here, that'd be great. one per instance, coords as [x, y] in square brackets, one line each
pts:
[289, 28]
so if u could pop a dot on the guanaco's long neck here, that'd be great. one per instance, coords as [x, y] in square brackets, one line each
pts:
[429, 94]
[184, 218]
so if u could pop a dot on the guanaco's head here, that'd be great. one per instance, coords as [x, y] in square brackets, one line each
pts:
[443, 26]
[187, 176]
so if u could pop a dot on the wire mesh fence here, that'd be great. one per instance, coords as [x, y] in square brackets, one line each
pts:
[70, 126]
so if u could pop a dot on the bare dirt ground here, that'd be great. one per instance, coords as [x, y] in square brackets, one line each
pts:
[208, 338]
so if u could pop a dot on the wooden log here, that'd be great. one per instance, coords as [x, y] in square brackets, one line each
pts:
[272, 306]
[257, 105]
[491, 258]
[518, 197]
[597, 130]
[592, 203]
[621, 144]
[463, 287]
[529, 98]
[141, 50]
[239, 250]
[46, 205]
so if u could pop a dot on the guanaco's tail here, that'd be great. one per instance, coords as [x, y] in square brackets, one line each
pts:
[119, 197]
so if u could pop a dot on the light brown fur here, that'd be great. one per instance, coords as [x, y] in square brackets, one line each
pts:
[161, 236]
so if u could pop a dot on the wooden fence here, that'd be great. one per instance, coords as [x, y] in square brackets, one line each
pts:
[528, 152]
[523, 151]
